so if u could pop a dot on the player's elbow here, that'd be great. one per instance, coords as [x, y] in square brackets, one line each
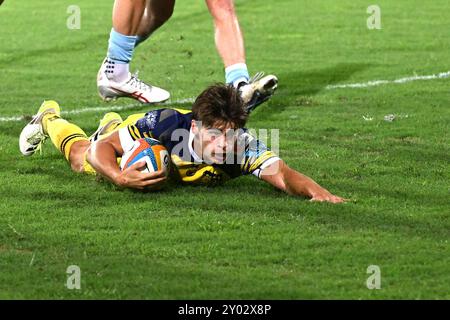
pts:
[89, 155]
[274, 174]
[286, 174]
[95, 151]
[284, 170]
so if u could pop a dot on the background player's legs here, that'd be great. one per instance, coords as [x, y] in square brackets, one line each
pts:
[156, 13]
[114, 79]
[126, 17]
[230, 45]
[133, 22]
[229, 40]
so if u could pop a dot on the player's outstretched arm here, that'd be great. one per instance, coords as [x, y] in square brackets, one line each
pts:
[102, 155]
[293, 182]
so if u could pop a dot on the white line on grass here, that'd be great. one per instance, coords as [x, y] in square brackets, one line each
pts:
[375, 83]
[99, 109]
[8, 119]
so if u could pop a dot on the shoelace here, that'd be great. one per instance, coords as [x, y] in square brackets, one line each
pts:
[256, 77]
[138, 83]
[39, 138]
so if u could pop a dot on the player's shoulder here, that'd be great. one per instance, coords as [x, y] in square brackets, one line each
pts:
[165, 118]
[180, 116]
[167, 112]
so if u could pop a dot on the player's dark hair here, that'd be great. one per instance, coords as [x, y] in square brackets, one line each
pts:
[222, 104]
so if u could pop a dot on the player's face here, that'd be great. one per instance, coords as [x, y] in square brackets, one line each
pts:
[217, 142]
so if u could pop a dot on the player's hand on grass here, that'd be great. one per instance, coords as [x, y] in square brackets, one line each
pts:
[133, 177]
[326, 196]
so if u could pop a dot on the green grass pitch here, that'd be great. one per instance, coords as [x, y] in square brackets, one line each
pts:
[243, 239]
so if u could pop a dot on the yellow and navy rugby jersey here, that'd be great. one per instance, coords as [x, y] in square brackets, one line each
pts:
[172, 128]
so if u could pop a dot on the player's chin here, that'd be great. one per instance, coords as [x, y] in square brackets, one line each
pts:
[218, 158]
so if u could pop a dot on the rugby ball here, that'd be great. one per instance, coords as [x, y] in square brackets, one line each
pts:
[150, 151]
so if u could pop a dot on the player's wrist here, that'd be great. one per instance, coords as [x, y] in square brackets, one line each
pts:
[118, 179]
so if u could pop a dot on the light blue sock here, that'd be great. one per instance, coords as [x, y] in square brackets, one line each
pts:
[236, 74]
[140, 39]
[121, 47]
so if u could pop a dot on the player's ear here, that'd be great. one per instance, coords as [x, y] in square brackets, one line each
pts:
[194, 127]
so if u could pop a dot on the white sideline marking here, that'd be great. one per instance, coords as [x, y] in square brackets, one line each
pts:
[7, 119]
[375, 83]
[98, 109]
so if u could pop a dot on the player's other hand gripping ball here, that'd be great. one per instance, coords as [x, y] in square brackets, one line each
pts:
[153, 156]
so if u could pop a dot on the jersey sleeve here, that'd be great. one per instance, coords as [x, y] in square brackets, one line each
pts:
[256, 155]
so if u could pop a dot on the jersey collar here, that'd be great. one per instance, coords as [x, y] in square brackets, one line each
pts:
[191, 148]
